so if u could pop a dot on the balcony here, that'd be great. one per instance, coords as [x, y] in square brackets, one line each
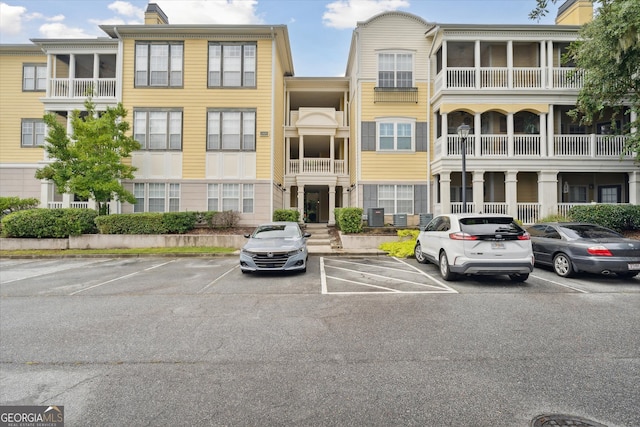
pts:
[508, 78]
[396, 94]
[81, 88]
[315, 166]
[526, 146]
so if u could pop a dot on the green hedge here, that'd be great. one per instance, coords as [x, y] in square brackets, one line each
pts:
[49, 223]
[349, 220]
[14, 204]
[147, 223]
[616, 217]
[286, 215]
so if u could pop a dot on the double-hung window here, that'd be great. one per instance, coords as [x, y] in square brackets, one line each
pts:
[230, 197]
[396, 199]
[33, 133]
[156, 197]
[232, 65]
[158, 129]
[34, 77]
[158, 64]
[231, 130]
[396, 135]
[395, 70]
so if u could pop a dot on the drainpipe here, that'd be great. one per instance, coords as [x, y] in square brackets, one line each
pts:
[428, 136]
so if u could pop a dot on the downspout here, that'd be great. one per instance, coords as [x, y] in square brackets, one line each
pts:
[428, 133]
[358, 121]
[119, 85]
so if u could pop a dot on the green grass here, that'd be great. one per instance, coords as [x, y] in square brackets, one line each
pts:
[139, 251]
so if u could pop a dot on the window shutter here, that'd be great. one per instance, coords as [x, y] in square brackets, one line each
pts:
[420, 198]
[368, 136]
[369, 196]
[422, 143]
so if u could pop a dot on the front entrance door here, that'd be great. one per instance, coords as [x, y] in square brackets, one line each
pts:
[312, 206]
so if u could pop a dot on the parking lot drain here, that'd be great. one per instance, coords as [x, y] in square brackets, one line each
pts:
[560, 420]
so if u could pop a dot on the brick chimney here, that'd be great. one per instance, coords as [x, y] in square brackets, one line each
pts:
[154, 15]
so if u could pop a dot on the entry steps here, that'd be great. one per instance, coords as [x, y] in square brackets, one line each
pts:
[320, 240]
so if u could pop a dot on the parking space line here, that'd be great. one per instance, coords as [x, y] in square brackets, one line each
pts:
[46, 273]
[218, 278]
[439, 282]
[374, 265]
[363, 284]
[560, 284]
[121, 277]
[323, 277]
[386, 277]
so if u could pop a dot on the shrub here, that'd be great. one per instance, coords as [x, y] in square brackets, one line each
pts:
[404, 247]
[554, 218]
[337, 212]
[14, 204]
[179, 222]
[286, 215]
[225, 219]
[139, 223]
[616, 217]
[49, 223]
[351, 220]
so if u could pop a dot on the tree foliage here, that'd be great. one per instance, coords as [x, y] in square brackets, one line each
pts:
[88, 162]
[608, 52]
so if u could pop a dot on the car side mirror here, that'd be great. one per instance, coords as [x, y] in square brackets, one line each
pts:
[305, 235]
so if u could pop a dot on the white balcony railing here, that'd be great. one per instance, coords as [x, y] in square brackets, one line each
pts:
[81, 88]
[528, 213]
[495, 207]
[316, 166]
[590, 146]
[508, 78]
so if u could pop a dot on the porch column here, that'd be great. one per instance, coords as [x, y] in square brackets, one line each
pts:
[478, 191]
[445, 192]
[44, 193]
[287, 155]
[543, 135]
[332, 203]
[301, 201]
[300, 154]
[550, 132]
[286, 196]
[66, 200]
[634, 188]
[346, 191]
[96, 74]
[445, 136]
[345, 156]
[476, 56]
[331, 157]
[511, 192]
[477, 129]
[543, 65]
[72, 75]
[510, 64]
[445, 83]
[510, 135]
[548, 193]
[550, 63]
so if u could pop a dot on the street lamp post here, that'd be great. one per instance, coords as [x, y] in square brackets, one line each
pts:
[463, 133]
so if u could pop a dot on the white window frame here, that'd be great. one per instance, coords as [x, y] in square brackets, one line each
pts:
[388, 62]
[219, 195]
[231, 130]
[162, 128]
[148, 192]
[37, 134]
[154, 68]
[398, 124]
[390, 198]
[34, 77]
[232, 65]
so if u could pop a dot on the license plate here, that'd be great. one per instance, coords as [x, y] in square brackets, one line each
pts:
[497, 245]
[634, 266]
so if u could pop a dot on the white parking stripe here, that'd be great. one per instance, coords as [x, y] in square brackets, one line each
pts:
[444, 285]
[362, 284]
[121, 277]
[385, 277]
[48, 272]
[218, 278]
[376, 266]
[560, 284]
[323, 277]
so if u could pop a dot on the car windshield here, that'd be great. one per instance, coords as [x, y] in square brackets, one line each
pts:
[579, 231]
[276, 232]
[489, 225]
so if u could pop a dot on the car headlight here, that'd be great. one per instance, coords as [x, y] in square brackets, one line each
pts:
[296, 252]
[248, 253]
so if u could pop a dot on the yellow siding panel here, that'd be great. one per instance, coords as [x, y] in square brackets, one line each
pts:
[16, 105]
[393, 166]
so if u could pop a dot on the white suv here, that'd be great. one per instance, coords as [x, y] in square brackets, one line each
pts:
[487, 244]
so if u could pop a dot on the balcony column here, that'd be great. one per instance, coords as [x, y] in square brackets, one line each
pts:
[550, 132]
[445, 192]
[301, 201]
[301, 154]
[543, 65]
[287, 155]
[445, 136]
[477, 135]
[510, 64]
[548, 193]
[332, 205]
[345, 156]
[634, 188]
[445, 84]
[543, 135]
[331, 160]
[66, 200]
[96, 74]
[72, 75]
[510, 135]
[478, 191]
[286, 196]
[477, 64]
[46, 190]
[511, 192]
[50, 63]
[550, 62]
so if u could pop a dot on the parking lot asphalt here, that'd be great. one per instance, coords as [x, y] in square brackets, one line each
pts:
[357, 340]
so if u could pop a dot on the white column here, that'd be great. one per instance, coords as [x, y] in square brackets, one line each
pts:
[300, 154]
[550, 132]
[96, 74]
[550, 62]
[287, 155]
[478, 191]
[445, 135]
[543, 135]
[510, 135]
[44, 193]
[286, 196]
[477, 63]
[66, 200]
[445, 192]
[477, 129]
[510, 64]
[72, 75]
[332, 156]
[548, 193]
[511, 192]
[543, 65]
[634, 187]
[445, 84]
[345, 156]
[301, 202]
[332, 204]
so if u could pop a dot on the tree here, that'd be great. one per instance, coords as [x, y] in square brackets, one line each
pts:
[88, 162]
[608, 53]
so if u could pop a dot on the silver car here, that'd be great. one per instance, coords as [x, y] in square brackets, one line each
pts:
[276, 246]
[482, 244]
[573, 247]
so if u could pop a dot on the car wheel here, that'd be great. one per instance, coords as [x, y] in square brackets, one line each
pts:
[445, 271]
[562, 265]
[519, 277]
[628, 275]
[419, 254]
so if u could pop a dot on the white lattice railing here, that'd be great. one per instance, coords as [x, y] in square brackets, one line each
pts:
[504, 77]
[526, 145]
[494, 145]
[495, 207]
[528, 213]
[81, 88]
[316, 166]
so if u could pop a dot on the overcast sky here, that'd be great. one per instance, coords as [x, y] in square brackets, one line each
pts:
[319, 30]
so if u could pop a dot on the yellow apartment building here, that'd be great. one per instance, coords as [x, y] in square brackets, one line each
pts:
[224, 124]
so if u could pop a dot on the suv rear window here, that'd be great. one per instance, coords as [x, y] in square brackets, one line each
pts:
[490, 226]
